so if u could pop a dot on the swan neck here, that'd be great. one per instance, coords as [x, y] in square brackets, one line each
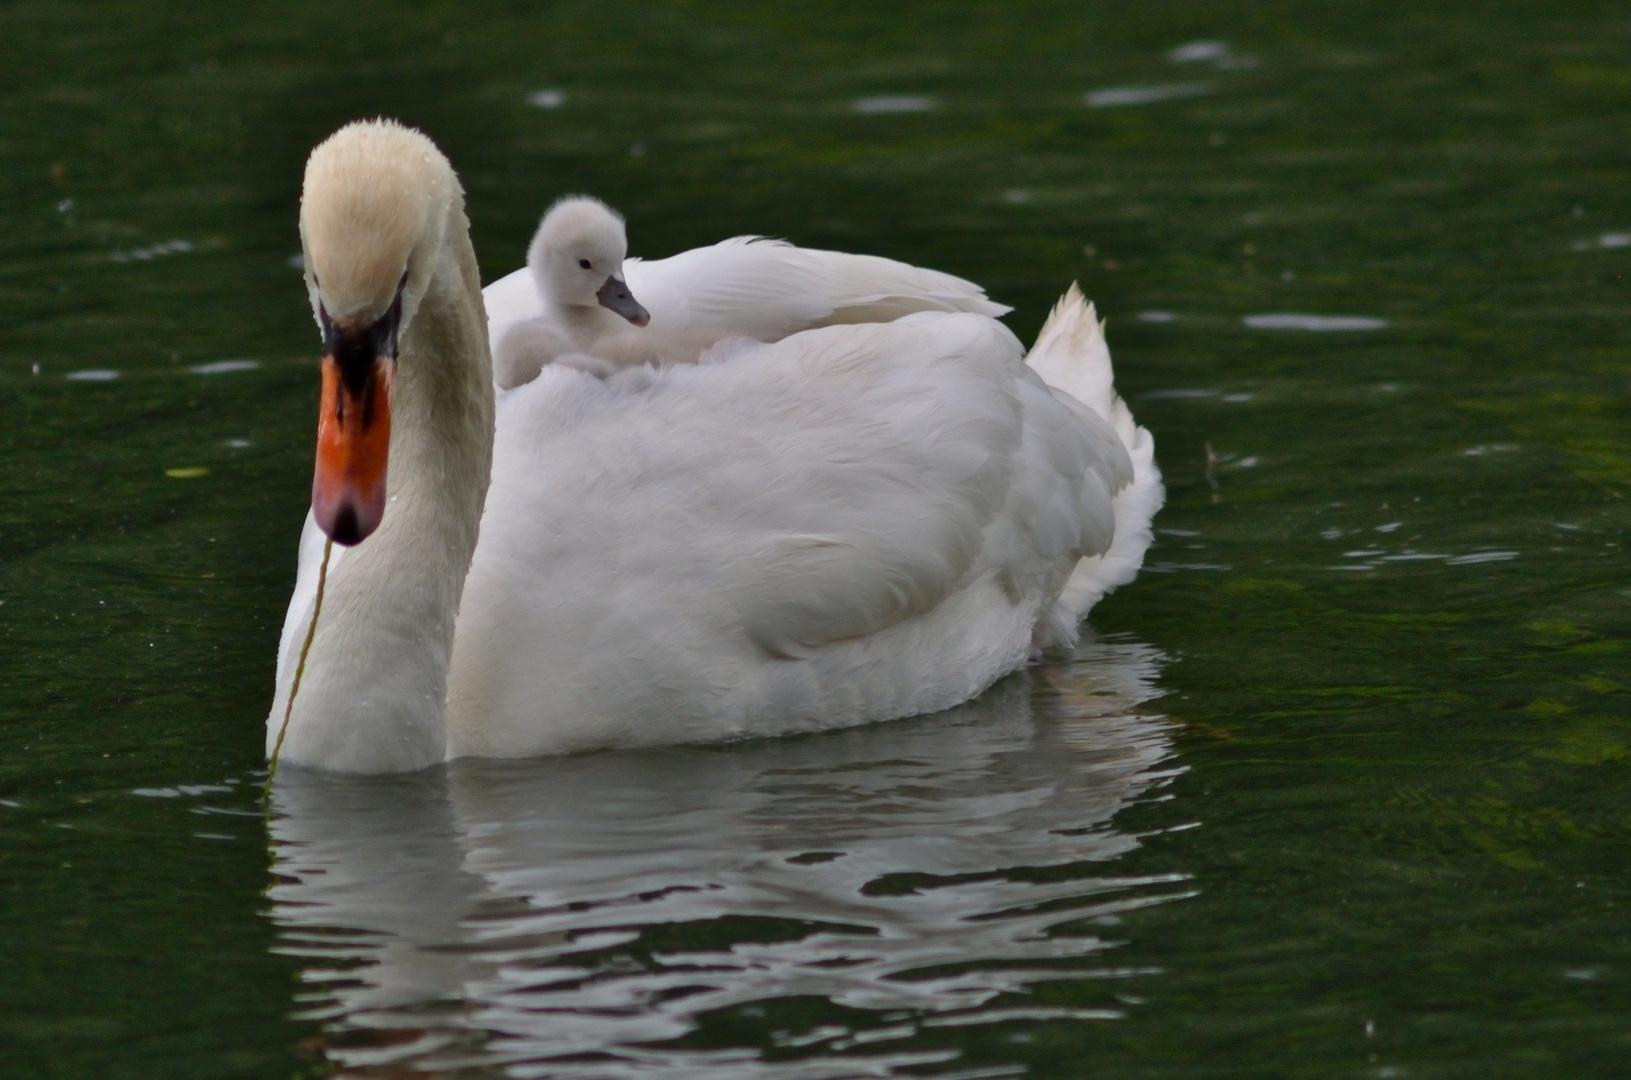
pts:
[373, 696]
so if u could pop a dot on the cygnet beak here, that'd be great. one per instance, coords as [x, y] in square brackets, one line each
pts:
[354, 425]
[615, 295]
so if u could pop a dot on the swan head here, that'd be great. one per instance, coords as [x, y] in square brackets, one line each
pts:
[577, 256]
[374, 212]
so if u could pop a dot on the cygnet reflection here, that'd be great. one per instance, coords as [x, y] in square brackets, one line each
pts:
[559, 917]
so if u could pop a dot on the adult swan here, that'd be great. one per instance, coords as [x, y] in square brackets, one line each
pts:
[856, 523]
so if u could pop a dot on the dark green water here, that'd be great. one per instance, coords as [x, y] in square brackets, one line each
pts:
[1339, 789]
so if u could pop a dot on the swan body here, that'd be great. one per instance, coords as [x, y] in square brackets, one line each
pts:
[854, 523]
[580, 301]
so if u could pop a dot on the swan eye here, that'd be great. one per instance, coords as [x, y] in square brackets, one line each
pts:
[584, 263]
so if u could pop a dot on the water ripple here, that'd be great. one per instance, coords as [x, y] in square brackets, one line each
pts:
[565, 917]
[1121, 96]
[1286, 321]
[893, 103]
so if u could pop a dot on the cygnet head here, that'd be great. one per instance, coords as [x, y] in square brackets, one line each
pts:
[374, 215]
[576, 257]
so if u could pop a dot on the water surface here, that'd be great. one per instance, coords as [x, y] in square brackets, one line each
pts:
[1347, 766]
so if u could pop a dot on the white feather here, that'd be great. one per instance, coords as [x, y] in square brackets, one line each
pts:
[857, 523]
[1071, 354]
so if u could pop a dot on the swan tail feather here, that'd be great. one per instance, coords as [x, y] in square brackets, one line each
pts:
[1072, 357]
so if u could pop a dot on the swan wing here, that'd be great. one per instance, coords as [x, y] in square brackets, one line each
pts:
[766, 289]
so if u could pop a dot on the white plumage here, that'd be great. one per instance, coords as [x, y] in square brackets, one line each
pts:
[855, 523]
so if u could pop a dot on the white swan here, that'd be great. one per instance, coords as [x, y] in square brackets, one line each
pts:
[582, 302]
[856, 523]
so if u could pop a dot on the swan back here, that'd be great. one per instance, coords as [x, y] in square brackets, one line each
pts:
[855, 523]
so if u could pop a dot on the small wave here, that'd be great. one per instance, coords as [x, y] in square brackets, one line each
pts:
[1119, 96]
[1287, 321]
[1481, 557]
[1606, 240]
[1178, 395]
[222, 367]
[156, 251]
[893, 103]
[1196, 52]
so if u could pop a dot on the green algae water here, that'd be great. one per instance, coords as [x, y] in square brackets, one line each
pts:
[1338, 787]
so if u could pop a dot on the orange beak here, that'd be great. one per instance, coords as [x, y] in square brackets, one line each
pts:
[354, 426]
[353, 445]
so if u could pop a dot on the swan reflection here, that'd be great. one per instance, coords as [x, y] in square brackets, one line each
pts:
[572, 917]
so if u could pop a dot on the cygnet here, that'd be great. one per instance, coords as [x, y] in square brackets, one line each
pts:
[581, 302]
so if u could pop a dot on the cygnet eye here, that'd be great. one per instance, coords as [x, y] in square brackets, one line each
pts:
[584, 263]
